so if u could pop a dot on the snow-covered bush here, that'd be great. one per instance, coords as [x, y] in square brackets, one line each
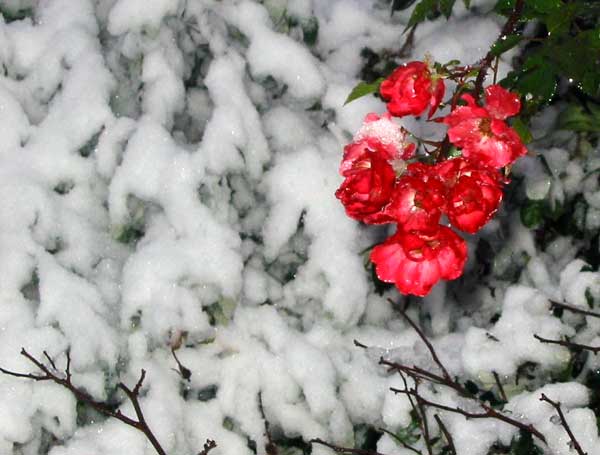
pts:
[168, 170]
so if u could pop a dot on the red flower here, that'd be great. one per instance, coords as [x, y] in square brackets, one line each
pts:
[367, 188]
[355, 150]
[415, 261]
[481, 131]
[411, 88]
[474, 193]
[417, 199]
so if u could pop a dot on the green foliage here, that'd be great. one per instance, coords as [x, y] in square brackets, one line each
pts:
[522, 130]
[362, 89]
[565, 47]
[532, 213]
[577, 117]
[11, 14]
[505, 43]
[429, 10]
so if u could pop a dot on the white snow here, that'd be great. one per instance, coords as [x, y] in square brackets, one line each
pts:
[167, 179]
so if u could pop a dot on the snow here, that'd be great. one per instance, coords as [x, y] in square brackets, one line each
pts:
[168, 171]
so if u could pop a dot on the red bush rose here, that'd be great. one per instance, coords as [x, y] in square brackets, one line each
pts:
[481, 132]
[367, 188]
[415, 261]
[411, 88]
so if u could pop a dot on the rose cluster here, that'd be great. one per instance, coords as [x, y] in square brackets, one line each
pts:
[385, 183]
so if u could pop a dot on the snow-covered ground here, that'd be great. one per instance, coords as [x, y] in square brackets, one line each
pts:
[167, 178]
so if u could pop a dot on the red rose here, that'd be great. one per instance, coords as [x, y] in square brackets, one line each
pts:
[355, 150]
[481, 132]
[367, 188]
[411, 88]
[417, 199]
[415, 261]
[474, 193]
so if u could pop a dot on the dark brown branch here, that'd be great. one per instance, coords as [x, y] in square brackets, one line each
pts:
[574, 309]
[425, 340]
[271, 447]
[400, 441]
[500, 388]
[446, 433]
[486, 62]
[339, 449]
[208, 446]
[425, 424]
[184, 372]
[569, 344]
[82, 396]
[564, 423]
[488, 413]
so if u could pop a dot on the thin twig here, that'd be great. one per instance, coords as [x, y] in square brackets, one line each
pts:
[425, 340]
[569, 344]
[446, 433]
[421, 405]
[408, 43]
[184, 372]
[489, 413]
[270, 448]
[208, 446]
[508, 29]
[402, 443]
[574, 309]
[339, 449]
[564, 423]
[82, 396]
[500, 388]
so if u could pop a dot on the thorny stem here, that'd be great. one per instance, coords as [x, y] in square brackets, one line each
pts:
[104, 408]
[564, 423]
[487, 61]
[569, 344]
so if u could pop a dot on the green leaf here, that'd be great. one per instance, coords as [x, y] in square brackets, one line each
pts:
[505, 43]
[399, 5]
[577, 118]
[421, 11]
[363, 89]
[522, 130]
[532, 213]
[537, 81]
[310, 30]
[467, 3]
[446, 7]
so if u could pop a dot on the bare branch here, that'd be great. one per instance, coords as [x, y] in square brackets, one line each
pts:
[488, 413]
[84, 397]
[486, 62]
[500, 388]
[208, 446]
[446, 433]
[425, 340]
[339, 449]
[564, 423]
[568, 344]
[402, 443]
[574, 309]
[184, 372]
